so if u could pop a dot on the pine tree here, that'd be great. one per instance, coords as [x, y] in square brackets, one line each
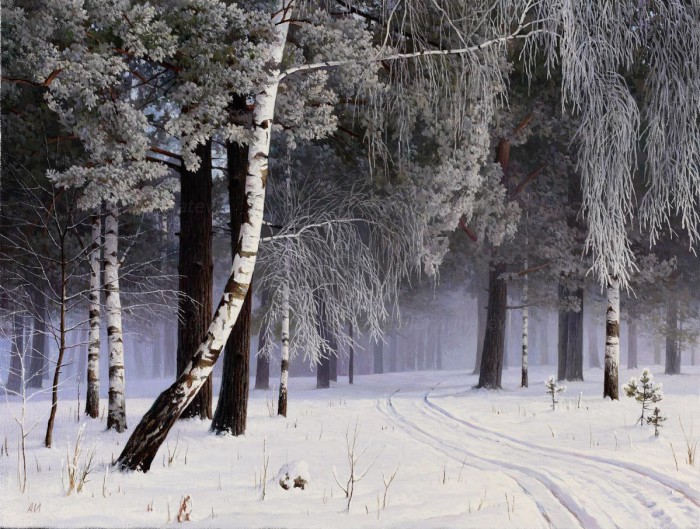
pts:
[644, 391]
[657, 420]
[553, 389]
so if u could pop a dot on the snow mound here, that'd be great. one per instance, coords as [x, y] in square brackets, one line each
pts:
[294, 475]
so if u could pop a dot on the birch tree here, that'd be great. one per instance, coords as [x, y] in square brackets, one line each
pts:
[141, 448]
[92, 401]
[611, 385]
[338, 257]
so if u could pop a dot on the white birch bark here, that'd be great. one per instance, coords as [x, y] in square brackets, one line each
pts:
[612, 340]
[92, 401]
[284, 361]
[116, 415]
[284, 373]
[153, 428]
[524, 366]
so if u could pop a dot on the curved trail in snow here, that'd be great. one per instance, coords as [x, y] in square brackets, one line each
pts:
[688, 492]
[557, 508]
[575, 490]
[603, 480]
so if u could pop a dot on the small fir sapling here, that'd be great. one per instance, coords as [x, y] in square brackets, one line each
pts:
[644, 391]
[656, 419]
[553, 389]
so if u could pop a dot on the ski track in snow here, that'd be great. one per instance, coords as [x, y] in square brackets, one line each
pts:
[600, 486]
[615, 475]
[681, 488]
[597, 471]
[552, 502]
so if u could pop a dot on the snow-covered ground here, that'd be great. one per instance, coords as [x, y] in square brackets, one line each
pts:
[465, 458]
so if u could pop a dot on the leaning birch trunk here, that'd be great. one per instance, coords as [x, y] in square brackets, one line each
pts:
[284, 361]
[612, 341]
[523, 370]
[116, 414]
[92, 401]
[151, 432]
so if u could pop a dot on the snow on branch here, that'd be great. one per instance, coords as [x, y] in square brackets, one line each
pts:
[344, 245]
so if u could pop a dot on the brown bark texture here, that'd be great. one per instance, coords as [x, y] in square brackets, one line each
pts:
[494, 338]
[195, 268]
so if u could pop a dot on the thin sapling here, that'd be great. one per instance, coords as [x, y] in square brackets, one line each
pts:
[553, 389]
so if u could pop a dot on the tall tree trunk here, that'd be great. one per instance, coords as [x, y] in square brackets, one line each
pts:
[284, 361]
[438, 350]
[17, 358]
[482, 301]
[232, 406]
[262, 361]
[155, 341]
[116, 415]
[415, 350]
[506, 337]
[83, 338]
[574, 361]
[563, 341]
[170, 351]
[38, 364]
[379, 357]
[611, 386]
[570, 344]
[48, 439]
[196, 272]
[351, 361]
[593, 358]
[673, 351]
[137, 353]
[323, 375]
[323, 368]
[524, 360]
[492, 356]
[544, 349]
[333, 367]
[632, 344]
[151, 432]
[657, 350]
[92, 399]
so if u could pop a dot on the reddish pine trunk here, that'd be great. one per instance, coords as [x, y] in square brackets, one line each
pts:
[482, 301]
[196, 273]
[494, 337]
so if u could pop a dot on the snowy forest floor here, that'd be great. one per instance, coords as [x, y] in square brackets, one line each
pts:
[465, 458]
